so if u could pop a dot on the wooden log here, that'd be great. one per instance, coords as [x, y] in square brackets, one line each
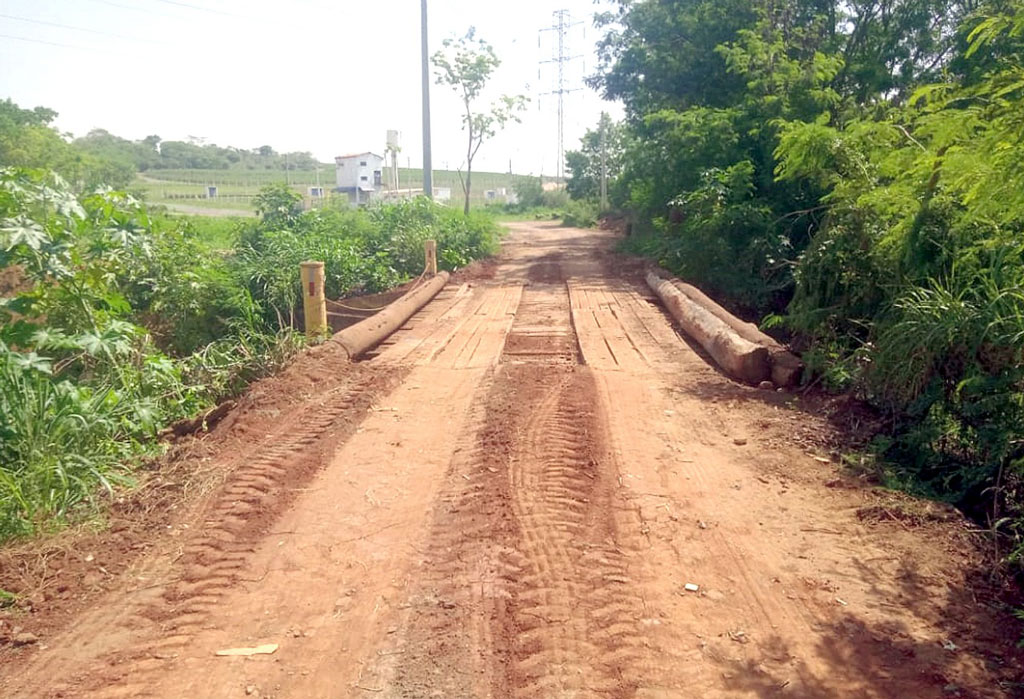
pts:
[367, 334]
[739, 357]
[430, 257]
[786, 367]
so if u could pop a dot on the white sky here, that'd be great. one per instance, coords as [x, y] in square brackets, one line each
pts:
[304, 75]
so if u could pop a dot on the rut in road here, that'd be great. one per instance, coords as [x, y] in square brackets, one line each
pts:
[526, 587]
[162, 619]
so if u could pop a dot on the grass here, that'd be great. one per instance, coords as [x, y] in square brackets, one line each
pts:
[539, 214]
[215, 233]
[237, 187]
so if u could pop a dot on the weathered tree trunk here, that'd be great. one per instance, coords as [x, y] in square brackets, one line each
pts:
[785, 366]
[740, 358]
[367, 334]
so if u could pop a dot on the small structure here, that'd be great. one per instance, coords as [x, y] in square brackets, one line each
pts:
[500, 195]
[211, 191]
[360, 176]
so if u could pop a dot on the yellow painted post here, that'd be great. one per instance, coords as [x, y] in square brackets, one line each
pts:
[314, 303]
[430, 253]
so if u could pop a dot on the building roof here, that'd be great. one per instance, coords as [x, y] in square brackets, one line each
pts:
[357, 155]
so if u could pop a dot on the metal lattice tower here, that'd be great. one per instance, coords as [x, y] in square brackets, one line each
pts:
[561, 25]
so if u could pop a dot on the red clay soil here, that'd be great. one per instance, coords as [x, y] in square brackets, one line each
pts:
[536, 488]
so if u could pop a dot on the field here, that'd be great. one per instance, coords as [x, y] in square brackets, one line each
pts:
[185, 190]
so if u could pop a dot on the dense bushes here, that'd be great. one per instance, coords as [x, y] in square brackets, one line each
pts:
[119, 325]
[363, 251]
[532, 198]
[856, 173]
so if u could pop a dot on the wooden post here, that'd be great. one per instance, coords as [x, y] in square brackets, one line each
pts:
[430, 253]
[314, 303]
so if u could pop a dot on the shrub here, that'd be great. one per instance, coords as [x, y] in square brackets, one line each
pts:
[581, 213]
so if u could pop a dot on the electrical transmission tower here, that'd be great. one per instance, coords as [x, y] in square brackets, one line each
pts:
[561, 25]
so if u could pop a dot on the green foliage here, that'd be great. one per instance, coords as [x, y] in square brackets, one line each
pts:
[466, 65]
[580, 213]
[585, 165]
[129, 324]
[154, 154]
[278, 205]
[27, 140]
[856, 170]
[529, 192]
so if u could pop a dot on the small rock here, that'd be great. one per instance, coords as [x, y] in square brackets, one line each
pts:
[739, 636]
[25, 639]
[251, 689]
[766, 385]
[739, 441]
[714, 595]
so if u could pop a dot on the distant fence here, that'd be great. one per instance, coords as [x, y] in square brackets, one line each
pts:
[203, 195]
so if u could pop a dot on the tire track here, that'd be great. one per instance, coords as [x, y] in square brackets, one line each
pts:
[215, 558]
[526, 587]
[574, 603]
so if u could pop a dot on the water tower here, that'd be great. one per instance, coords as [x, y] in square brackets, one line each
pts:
[392, 151]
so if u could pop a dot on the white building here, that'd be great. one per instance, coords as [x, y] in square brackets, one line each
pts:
[360, 175]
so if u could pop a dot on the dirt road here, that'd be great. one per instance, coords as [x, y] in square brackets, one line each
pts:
[508, 500]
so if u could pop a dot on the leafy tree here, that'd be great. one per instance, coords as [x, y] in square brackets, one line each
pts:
[585, 165]
[466, 65]
[278, 205]
[27, 140]
[662, 54]
[529, 192]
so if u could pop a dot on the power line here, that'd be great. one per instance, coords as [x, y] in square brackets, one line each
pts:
[49, 43]
[561, 24]
[137, 9]
[68, 26]
[202, 9]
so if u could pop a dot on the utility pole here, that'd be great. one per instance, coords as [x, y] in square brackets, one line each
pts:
[604, 161]
[428, 174]
[561, 25]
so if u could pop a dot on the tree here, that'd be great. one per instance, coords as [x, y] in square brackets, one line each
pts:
[584, 165]
[28, 140]
[529, 192]
[466, 64]
[278, 205]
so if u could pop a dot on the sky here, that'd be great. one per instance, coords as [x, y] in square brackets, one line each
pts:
[299, 75]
